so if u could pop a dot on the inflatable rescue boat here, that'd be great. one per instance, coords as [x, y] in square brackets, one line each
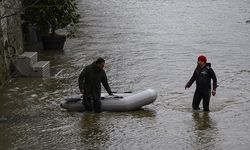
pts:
[116, 102]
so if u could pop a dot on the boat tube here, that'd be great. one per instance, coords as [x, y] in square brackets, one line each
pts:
[118, 102]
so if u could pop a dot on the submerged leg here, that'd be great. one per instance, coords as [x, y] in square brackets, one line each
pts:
[206, 99]
[196, 100]
[87, 102]
[97, 105]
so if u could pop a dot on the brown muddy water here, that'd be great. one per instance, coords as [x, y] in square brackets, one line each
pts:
[146, 44]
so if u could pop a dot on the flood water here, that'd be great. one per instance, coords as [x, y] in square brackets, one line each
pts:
[146, 44]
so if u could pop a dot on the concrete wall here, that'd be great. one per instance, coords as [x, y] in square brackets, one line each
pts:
[11, 40]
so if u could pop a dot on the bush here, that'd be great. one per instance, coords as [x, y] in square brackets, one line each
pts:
[51, 15]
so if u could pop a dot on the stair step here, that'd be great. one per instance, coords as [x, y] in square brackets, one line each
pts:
[30, 56]
[41, 68]
[27, 65]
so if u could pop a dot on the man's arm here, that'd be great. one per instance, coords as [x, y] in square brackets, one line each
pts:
[191, 81]
[105, 84]
[213, 76]
[81, 80]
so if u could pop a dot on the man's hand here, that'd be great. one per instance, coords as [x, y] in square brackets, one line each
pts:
[213, 92]
[187, 86]
[111, 94]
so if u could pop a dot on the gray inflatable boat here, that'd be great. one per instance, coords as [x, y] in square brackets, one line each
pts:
[118, 102]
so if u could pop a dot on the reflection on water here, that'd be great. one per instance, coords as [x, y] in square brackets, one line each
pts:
[141, 113]
[202, 120]
[93, 132]
[97, 130]
[205, 131]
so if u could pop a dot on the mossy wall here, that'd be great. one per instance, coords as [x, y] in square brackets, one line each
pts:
[11, 40]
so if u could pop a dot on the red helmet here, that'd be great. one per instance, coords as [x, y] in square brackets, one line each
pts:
[202, 58]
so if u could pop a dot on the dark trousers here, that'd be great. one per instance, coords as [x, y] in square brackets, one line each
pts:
[91, 103]
[198, 96]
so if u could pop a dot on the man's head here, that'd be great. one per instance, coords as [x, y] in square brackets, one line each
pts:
[100, 62]
[202, 60]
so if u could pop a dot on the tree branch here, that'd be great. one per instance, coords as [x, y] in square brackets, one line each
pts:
[19, 11]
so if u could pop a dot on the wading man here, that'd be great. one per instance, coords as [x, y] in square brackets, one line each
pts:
[89, 83]
[203, 75]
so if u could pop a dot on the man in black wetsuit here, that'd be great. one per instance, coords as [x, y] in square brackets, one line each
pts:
[203, 75]
[89, 83]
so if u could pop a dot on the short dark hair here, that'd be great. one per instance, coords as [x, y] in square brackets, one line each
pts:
[100, 60]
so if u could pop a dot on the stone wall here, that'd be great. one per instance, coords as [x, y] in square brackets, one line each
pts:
[11, 40]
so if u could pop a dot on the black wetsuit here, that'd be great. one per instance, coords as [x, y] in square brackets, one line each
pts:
[203, 77]
[90, 81]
